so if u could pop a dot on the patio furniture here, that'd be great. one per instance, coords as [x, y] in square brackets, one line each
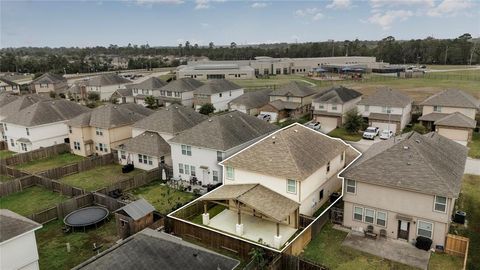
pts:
[383, 233]
[369, 232]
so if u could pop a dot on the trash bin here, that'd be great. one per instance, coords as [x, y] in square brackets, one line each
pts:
[423, 243]
[459, 217]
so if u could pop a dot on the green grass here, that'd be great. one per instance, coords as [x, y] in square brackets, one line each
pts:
[5, 178]
[6, 154]
[469, 201]
[99, 177]
[344, 135]
[162, 197]
[443, 261]
[215, 210]
[474, 146]
[52, 244]
[275, 81]
[326, 249]
[44, 164]
[302, 120]
[31, 200]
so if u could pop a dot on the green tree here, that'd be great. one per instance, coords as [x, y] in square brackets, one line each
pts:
[353, 121]
[419, 128]
[93, 96]
[151, 102]
[53, 94]
[258, 257]
[207, 108]
[114, 100]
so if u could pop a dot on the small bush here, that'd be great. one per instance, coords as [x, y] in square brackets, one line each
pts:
[420, 128]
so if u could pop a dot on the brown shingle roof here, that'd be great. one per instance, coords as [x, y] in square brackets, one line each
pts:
[216, 86]
[13, 224]
[150, 84]
[49, 78]
[20, 103]
[282, 105]
[456, 119]
[294, 89]
[253, 99]
[434, 116]
[386, 97]
[6, 98]
[337, 95]
[385, 117]
[147, 143]
[452, 98]
[182, 85]
[106, 79]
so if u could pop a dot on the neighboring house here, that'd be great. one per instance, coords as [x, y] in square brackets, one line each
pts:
[330, 107]
[49, 82]
[18, 247]
[386, 109]
[217, 92]
[451, 113]
[105, 84]
[103, 128]
[41, 124]
[5, 99]
[250, 102]
[149, 87]
[169, 122]
[123, 96]
[197, 151]
[406, 186]
[76, 91]
[296, 162]
[292, 100]
[179, 91]
[150, 249]
[9, 86]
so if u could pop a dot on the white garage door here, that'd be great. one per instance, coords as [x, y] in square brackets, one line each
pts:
[327, 124]
[273, 116]
[454, 134]
[385, 126]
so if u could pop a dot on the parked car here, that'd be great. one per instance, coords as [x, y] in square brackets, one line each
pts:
[370, 133]
[386, 134]
[265, 117]
[313, 125]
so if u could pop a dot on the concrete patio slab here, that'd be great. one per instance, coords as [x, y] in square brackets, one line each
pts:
[391, 249]
[254, 228]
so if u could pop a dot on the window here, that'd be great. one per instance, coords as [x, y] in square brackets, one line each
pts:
[24, 146]
[76, 145]
[320, 196]
[69, 129]
[351, 186]
[441, 204]
[145, 159]
[215, 176]
[180, 168]
[358, 213]
[320, 106]
[381, 218]
[12, 142]
[220, 95]
[369, 215]
[150, 161]
[99, 131]
[28, 131]
[192, 170]
[328, 167]
[5, 126]
[424, 229]
[101, 147]
[291, 186]
[186, 150]
[162, 92]
[342, 156]
[123, 155]
[230, 173]
[162, 160]
[437, 108]
[140, 158]
[177, 94]
[219, 156]
[334, 107]
[169, 93]
[387, 109]
[187, 169]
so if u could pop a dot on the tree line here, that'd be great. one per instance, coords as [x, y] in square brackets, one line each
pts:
[463, 50]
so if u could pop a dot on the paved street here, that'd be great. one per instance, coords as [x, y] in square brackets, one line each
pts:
[472, 166]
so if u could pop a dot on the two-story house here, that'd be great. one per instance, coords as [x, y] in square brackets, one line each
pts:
[451, 113]
[217, 92]
[290, 100]
[105, 85]
[9, 86]
[197, 151]
[149, 87]
[406, 186]
[330, 107]
[103, 128]
[386, 109]
[251, 102]
[41, 124]
[49, 82]
[180, 91]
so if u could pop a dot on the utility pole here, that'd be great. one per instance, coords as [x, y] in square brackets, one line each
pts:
[446, 53]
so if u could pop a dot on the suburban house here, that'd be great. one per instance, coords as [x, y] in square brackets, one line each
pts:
[104, 128]
[292, 100]
[149, 87]
[41, 124]
[197, 151]
[151, 249]
[179, 91]
[18, 247]
[386, 109]
[330, 107]
[451, 113]
[217, 92]
[250, 102]
[405, 186]
[49, 82]
[9, 86]
[105, 85]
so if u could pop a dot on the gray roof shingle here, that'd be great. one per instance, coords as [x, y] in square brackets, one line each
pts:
[137, 209]
[282, 105]
[452, 98]
[182, 85]
[216, 86]
[253, 99]
[456, 119]
[8, 82]
[147, 143]
[6, 98]
[294, 89]
[386, 97]
[13, 224]
[337, 95]
[49, 78]
[151, 83]
[20, 103]
[106, 79]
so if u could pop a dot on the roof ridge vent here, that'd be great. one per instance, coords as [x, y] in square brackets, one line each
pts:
[417, 141]
[209, 120]
[405, 147]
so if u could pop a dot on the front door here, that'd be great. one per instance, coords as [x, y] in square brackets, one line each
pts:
[403, 229]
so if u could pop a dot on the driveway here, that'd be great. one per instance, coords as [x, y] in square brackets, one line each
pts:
[363, 144]
[472, 166]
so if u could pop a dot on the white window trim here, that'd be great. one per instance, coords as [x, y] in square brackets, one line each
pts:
[373, 217]
[386, 218]
[232, 176]
[353, 214]
[424, 221]
[346, 186]
[435, 203]
[296, 186]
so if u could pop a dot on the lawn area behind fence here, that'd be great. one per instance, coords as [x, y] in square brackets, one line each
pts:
[6, 154]
[5, 178]
[474, 146]
[44, 164]
[344, 135]
[31, 200]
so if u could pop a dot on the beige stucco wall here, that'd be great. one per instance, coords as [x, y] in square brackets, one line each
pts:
[111, 138]
[454, 134]
[466, 111]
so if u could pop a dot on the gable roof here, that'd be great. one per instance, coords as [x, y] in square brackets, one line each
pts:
[294, 152]
[279, 104]
[150, 249]
[217, 86]
[294, 89]
[253, 99]
[49, 78]
[386, 97]
[182, 85]
[456, 119]
[111, 115]
[45, 112]
[150, 84]
[6, 98]
[8, 82]
[13, 225]
[428, 164]
[452, 98]
[225, 131]
[147, 143]
[124, 92]
[106, 79]
[337, 95]
[137, 209]
[172, 119]
[20, 103]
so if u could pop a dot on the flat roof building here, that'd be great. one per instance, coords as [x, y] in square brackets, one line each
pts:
[211, 70]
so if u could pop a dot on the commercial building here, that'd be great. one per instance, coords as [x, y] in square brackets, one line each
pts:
[208, 71]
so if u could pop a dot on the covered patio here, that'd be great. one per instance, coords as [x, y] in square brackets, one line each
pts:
[253, 212]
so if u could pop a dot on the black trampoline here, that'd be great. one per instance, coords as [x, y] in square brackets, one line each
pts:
[85, 217]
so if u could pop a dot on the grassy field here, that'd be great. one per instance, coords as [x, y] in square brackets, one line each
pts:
[344, 135]
[275, 81]
[52, 244]
[49, 163]
[31, 200]
[99, 177]
[445, 262]
[5, 178]
[474, 146]
[162, 197]
[6, 154]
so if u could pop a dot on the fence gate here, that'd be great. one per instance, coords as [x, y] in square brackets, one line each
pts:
[336, 215]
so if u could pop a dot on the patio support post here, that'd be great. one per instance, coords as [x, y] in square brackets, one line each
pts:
[277, 238]
[239, 225]
[205, 215]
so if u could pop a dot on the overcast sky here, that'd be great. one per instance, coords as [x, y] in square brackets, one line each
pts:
[170, 22]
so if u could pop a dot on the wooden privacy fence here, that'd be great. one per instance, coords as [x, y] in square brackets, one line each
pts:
[312, 229]
[458, 246]
[16, 185]
[6, 170]
[81, 166]
[133, 182]
[108, 202]
[3, 145]
[40, 153]
[289, 262]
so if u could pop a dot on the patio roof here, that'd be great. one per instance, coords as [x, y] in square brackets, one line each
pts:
[260, 198]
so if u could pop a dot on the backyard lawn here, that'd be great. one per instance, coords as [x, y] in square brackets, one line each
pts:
[162, 197]
[215, 210]
[99, 177]
[31, 200]
[5, 178]
[6, 154]
[52, 243]
[43, 164]
[474, 145]
[344, 135]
